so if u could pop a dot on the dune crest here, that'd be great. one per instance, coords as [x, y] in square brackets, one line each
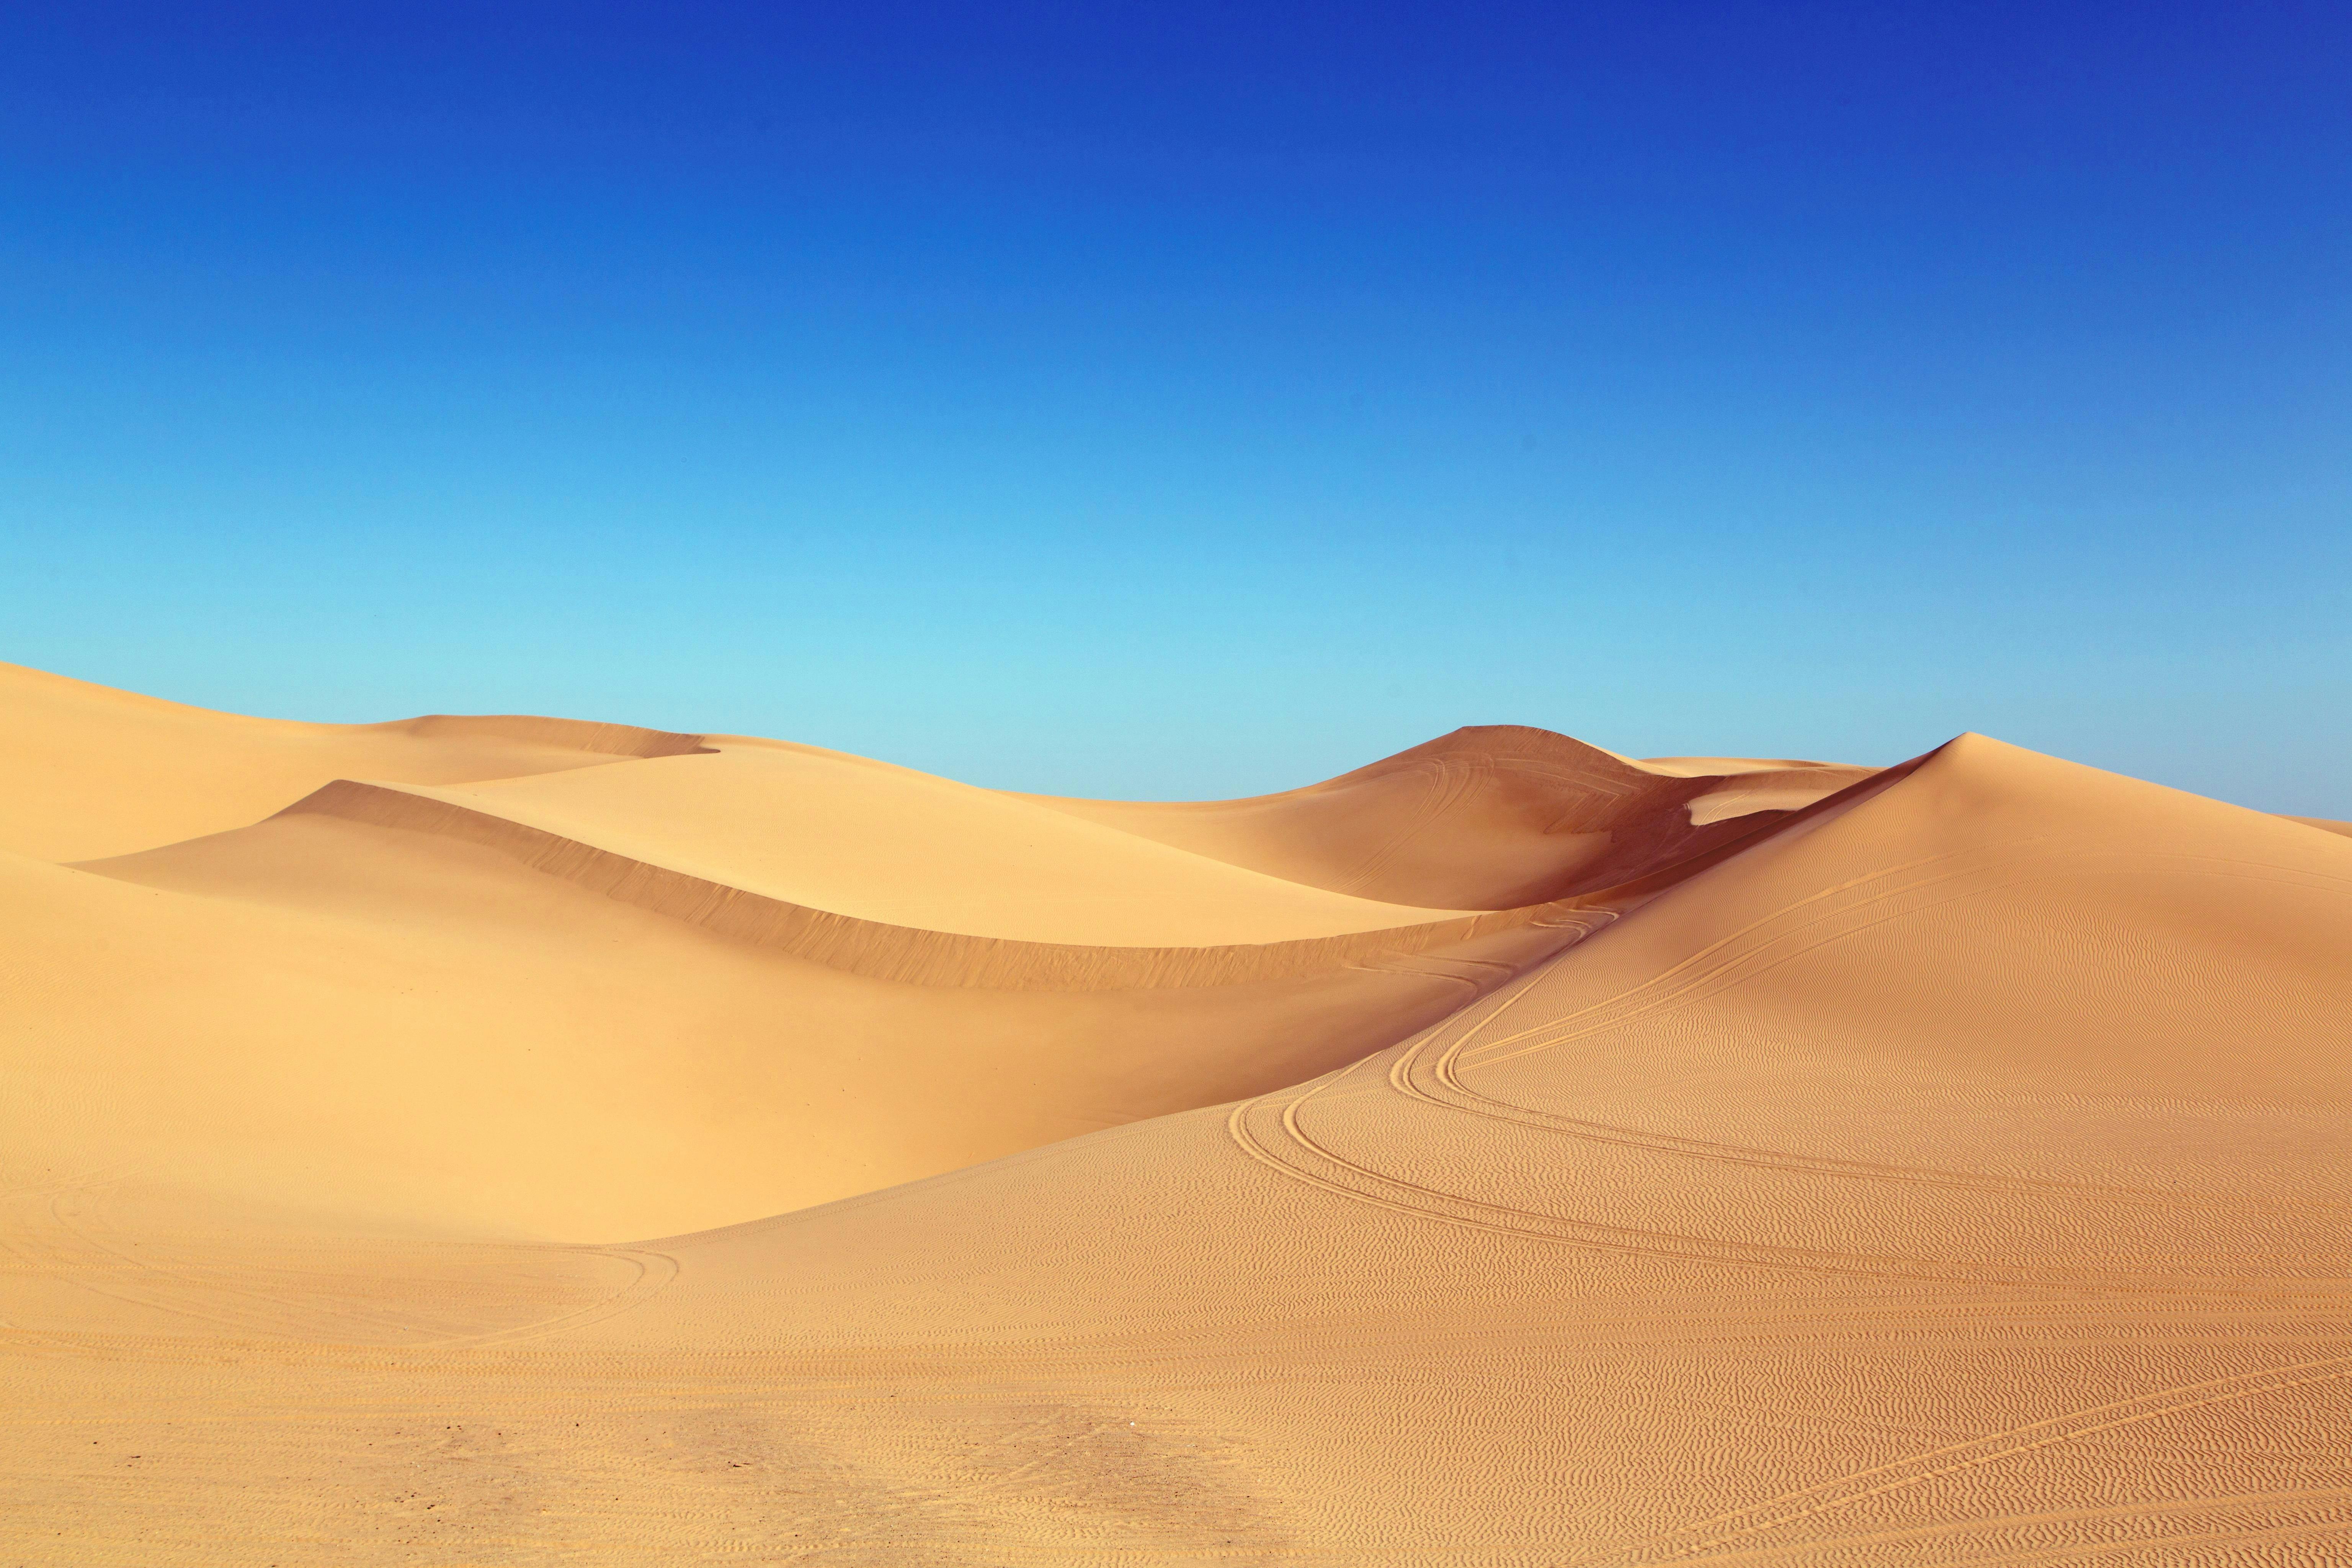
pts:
[900, 847]
[560, 734]
[1492, 817]
[902, 954]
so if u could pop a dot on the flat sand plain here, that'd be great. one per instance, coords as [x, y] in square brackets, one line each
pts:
[520, 1141]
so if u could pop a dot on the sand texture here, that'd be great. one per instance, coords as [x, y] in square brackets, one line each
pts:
[512, 1141]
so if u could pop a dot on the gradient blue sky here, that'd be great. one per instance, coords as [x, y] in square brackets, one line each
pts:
[1196, 400]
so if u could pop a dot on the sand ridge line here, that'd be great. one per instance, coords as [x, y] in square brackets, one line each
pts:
[93, 772]
[1488, 817]
[901, 954]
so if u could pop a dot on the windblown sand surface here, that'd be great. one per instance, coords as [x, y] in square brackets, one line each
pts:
[488, 1141]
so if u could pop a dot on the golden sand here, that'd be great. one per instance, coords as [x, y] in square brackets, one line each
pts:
[514, 1141]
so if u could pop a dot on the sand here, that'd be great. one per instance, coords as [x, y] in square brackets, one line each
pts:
[504, 1141]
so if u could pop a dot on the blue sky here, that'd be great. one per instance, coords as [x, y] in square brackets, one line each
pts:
[1198, 400]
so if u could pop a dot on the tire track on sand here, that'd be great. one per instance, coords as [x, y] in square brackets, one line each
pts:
[1440, 1081]
[1860, 1485]
[656, 1272]
[1287, 1148]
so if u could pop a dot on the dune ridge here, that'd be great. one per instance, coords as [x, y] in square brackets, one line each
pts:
[936, 958]
[1488, 817]
[891, 845]
[93, 772]
[567, 734]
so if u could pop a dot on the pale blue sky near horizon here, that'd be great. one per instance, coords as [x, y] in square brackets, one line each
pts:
[1196, 402]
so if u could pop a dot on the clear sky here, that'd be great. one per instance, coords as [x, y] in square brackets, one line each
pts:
[1196, 400]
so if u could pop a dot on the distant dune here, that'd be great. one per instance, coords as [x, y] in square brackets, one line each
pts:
[1491, 818]
[94, 771]
[1509, 1152]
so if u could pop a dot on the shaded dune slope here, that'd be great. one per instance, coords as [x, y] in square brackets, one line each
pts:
[887, 844]
[904, 955]
[1492, 817]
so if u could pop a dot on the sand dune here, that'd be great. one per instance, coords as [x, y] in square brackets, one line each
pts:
[1958, 1179]
[94, 771]
[729, 978]
[415, 1027]
[890, 845]
[1946, 1167]
[1492, 817]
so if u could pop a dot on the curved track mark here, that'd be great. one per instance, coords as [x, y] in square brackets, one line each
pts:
[1843, 1491]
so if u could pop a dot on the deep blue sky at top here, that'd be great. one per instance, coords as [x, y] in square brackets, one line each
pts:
[1198, 399]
